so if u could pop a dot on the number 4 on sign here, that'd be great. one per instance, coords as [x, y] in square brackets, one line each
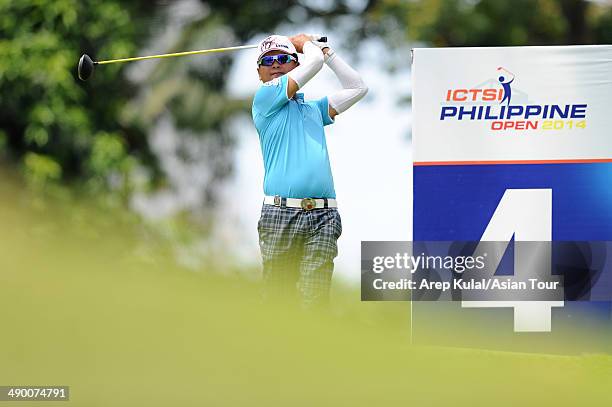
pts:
[525, 214]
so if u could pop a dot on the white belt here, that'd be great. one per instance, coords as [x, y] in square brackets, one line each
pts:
[304, 203]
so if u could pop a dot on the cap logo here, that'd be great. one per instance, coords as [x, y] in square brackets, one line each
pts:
[271, 43]
[267, 44]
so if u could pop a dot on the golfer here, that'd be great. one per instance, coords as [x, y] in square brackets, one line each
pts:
[300, 223]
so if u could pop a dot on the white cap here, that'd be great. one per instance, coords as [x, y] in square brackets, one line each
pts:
[276, 42]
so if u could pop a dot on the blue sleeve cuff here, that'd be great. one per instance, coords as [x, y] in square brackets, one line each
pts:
[325, 112]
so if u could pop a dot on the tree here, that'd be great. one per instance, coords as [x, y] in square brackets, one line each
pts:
[50, 124]
[97, 133]
[451, 23]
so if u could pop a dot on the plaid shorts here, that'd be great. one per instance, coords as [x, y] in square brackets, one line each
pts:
[298, 248]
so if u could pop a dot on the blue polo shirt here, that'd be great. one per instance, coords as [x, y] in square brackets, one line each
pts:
[292, 141]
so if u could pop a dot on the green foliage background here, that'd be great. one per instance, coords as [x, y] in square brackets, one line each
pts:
[478, 23]
[94, 298]
[53, 126]
[59, 130]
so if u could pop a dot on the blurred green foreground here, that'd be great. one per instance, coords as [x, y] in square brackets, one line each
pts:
[90, 300]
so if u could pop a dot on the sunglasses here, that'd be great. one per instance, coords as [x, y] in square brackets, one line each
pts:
[280, 58]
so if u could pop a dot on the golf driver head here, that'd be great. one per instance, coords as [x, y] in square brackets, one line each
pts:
[86, 67]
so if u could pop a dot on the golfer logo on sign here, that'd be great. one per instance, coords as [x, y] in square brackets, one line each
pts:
[299, 224]
[506, 85]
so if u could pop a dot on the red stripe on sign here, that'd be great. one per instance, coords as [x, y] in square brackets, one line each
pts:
[576, 161]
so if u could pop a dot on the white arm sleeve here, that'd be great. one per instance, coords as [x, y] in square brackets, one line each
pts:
[354, 87]
[308, 68]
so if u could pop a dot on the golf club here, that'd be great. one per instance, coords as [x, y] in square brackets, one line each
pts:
[87, 65]
[501, 68]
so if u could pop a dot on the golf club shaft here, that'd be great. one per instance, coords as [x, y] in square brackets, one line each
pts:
[175, 54]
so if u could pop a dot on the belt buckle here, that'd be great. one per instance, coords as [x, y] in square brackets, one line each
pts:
[277, 200]
[308, 204]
